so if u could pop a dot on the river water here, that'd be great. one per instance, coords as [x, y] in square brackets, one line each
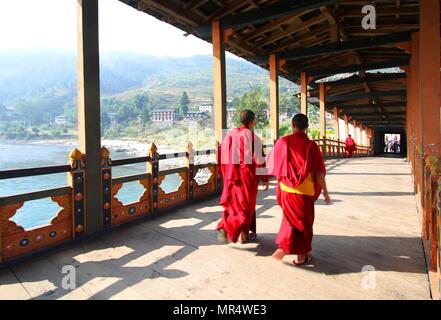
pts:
[40, 212]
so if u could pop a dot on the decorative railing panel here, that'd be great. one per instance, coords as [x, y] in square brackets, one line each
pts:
[16, 241]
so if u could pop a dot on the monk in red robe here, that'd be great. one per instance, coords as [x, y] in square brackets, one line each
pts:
[240, 155]
[297, 163]
[349, 146]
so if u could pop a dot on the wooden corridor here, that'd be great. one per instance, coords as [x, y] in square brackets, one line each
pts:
[372, 221]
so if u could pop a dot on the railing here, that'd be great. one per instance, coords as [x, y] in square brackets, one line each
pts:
[69, 223]
[336, 149]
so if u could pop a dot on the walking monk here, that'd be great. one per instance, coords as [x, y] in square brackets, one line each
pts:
[349, 146]
[239, 156]
[300, 170]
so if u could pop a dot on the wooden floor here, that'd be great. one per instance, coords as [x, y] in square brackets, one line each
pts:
[372, 222]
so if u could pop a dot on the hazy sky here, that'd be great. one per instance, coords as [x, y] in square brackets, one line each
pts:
[52, 24]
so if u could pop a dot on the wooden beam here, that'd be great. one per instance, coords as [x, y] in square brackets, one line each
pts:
[267, 13]
[336, 124]
[370, 95]
[324, 72]
[219, 81]
[430, 77]
[343, 46]
[348, 107]
[322, 111]
[354, 126]
[369, 78]
[89, 129]
[346, 118]
[303, 93]
[274, 96]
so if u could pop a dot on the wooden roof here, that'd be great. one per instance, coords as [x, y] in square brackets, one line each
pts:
[322, 37]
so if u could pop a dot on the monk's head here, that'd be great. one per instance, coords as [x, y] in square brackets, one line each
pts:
[248, 119]
[299, 122]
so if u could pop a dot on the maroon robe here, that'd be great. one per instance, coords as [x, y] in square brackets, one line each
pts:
[292, 160]
[349, 146]
[238, 164]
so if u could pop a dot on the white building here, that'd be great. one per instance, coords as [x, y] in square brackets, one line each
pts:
[163, 115]
[206, 107]
[61, 120]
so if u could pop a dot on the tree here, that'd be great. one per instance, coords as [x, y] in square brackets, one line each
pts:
[254, 101]
[145, 115]
[183, 104]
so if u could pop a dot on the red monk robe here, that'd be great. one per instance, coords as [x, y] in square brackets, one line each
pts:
[294, 161]
[238, 163]
[349, 146]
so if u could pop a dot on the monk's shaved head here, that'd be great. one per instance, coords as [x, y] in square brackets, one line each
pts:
[246, 117]
[300, 122]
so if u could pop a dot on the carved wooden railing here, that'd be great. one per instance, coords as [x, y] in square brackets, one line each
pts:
[331, 148]
[69, 223]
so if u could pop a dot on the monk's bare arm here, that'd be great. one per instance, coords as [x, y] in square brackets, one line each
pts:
[320, 178]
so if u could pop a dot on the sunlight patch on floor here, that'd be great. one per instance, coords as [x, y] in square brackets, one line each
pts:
[177, 223]
[153, 256]
[104, 254]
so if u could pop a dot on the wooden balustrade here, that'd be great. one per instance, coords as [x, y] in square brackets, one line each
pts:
[336, 149]
[69, 223]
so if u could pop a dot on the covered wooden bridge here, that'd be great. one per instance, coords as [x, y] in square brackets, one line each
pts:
[378, 75]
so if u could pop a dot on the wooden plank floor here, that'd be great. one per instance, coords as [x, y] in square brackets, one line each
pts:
[372, 222]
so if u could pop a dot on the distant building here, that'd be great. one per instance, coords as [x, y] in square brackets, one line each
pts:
[191, 115]
[61, 120]
[112, 117]
[230, 114]
[163, 115]
[206, 107]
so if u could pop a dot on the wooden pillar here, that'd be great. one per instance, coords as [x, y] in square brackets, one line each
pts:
[429, 102]
[430, 79]
[354, 125]
[414, 86]
[219, 81]
[361, 134]
[303, 93]
[322, 110]
[89, 129]
[274, 97]
[346, 118]
[336, 124]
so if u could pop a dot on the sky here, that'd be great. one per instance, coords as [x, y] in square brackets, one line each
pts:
[29, 24]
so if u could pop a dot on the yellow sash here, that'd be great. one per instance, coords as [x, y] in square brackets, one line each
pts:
[307, 187]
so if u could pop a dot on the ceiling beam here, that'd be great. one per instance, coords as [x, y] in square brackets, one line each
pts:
[325, 72]
[343, 46]
[266, 13]
[363, 95]
[366, 106]
[370, 77]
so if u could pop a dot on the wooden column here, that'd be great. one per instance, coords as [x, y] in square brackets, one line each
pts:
[361, 134]
[322, 110]
[430, 79]
[219, 81]
[354, 125]
[89, 129]
[415, 117]
[303, 93]
[336, 124]
[430, 134]
[346, 118]
[274, 97]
